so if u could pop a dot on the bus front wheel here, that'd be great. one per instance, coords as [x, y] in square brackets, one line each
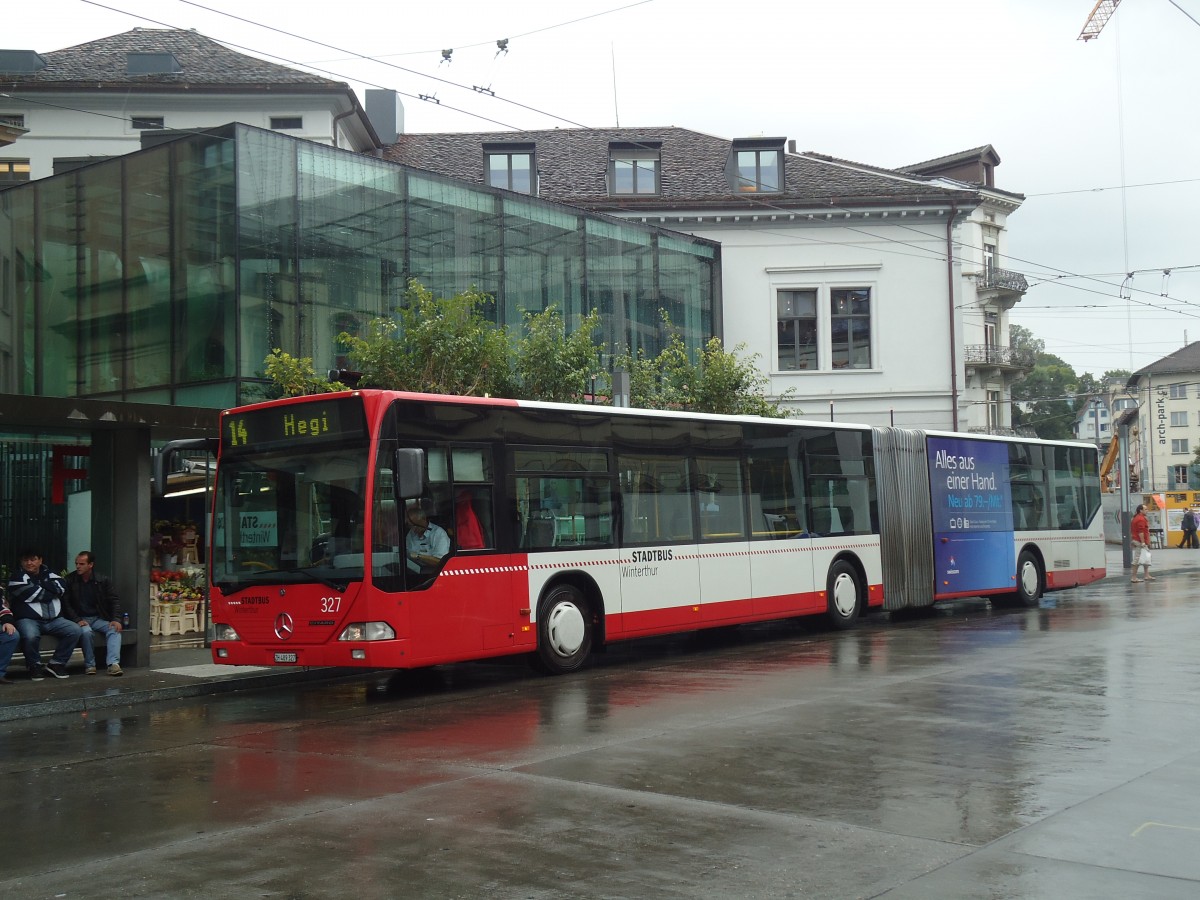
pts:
[845, 595]
[564, 631]
[1029, 579]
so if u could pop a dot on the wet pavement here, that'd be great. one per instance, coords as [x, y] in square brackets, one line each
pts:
[173, 674]
[972, 753]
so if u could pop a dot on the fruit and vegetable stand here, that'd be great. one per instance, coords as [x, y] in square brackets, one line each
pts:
[177, 599]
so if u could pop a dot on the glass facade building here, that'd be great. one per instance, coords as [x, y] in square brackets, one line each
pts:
[167, 276]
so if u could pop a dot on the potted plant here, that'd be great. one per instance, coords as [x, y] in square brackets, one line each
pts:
[163, 543]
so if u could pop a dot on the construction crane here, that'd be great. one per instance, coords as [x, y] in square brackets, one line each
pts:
[1106, 466]
[1101, 13]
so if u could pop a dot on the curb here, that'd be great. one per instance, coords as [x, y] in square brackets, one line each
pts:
[198, 688]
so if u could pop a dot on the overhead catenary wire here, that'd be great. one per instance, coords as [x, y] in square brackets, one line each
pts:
[759, 201]
[931, 253]
[487, 43]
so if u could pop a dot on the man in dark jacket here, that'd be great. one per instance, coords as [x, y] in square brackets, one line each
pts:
[91, 602]
[36, 596]
[1189, 530]
[8, 640]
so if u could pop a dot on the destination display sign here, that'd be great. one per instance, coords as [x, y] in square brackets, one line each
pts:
[972, 515]
[293, 425]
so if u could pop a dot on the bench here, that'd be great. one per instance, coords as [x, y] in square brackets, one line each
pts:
[49, 644]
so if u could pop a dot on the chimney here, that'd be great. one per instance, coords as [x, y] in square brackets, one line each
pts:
[792, 146]
[386, 114]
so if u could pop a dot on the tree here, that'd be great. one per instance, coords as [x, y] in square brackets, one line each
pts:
[294, 376]
[1044, 401]
[1116, 376]
[446, 345]
[555, 366]
[1022, 339]
[1048, 398]
[718, 381]
[441, 345]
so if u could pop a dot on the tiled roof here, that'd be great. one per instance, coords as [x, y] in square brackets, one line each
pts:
[1184, 361]
[572, 165]
[961, 156]
[101, 65]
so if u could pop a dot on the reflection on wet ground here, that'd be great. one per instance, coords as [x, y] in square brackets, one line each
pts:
[967, 752]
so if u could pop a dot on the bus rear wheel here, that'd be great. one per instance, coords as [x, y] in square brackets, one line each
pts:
[1029, 580]
[844, 594]
[564, 631]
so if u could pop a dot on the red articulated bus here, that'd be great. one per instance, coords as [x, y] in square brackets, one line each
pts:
[390, 529]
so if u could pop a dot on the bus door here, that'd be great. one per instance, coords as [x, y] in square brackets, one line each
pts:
[1069, 508]
[660, 579]
[719, 498]
[781, 568]
[464, 603]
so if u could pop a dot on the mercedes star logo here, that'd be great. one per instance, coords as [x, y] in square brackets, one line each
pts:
[284, 626]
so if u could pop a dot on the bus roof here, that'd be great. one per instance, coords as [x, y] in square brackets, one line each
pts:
[455, 399]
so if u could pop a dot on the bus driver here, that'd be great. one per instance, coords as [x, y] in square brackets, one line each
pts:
[427, 544]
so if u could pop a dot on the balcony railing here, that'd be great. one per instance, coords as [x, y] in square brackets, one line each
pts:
[1004, 280]
[1002, 357]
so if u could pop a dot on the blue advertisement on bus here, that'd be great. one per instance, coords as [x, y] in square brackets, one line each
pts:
[972, 515]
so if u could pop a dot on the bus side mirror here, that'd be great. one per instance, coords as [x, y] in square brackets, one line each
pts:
[162, 463]
[408, 473]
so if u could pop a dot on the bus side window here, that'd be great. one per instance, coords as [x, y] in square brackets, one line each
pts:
[775, 510]
[561, 497]
[657, 499]
[470, 530]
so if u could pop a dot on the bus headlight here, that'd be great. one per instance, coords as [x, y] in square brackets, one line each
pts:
[225, 633]
[367, 631]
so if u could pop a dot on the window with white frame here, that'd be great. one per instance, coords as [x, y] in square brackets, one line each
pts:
[993, 411]
[1178, 391]
[1179, 419]
[991, 329]
[511, 167]
[633, 168]
[1179, 445]
[989, 257]
[824, 328]
[1179, 475]
[850, 327]
[797, 313]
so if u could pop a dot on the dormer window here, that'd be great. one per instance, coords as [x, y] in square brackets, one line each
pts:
[511, 167]
[23, 62]
[633, 168]
[757, 166]
[152, 64]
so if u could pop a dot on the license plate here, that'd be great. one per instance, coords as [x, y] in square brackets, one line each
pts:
[285, 657]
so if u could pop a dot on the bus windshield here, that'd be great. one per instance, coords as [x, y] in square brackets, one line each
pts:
[290, 516]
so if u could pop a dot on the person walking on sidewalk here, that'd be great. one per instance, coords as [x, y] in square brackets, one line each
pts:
[1189, 530]
[1139, 540]
[36, 594]
[91, 602]
[8, 640]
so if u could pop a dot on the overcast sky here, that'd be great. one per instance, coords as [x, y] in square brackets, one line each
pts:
[882, 82]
